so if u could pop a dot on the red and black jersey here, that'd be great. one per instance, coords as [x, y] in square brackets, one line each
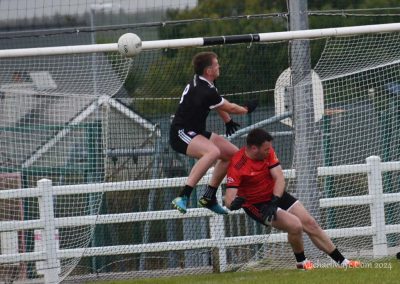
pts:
[252, 178]
[198, 98]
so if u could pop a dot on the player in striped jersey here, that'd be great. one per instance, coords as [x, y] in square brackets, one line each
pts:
[188, 134]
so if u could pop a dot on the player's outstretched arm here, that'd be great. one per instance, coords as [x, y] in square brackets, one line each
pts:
[224, 115]
[233, 108]
[230, 125]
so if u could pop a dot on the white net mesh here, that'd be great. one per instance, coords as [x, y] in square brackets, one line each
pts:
[360, 79]
[50, 113]
[114, 143]
[99, 131]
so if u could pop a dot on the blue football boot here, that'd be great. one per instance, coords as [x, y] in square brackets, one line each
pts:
[212, 204]
[180, 203]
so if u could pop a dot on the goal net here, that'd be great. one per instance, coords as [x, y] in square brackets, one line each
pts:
[70, 119]
[356, 84]
[52, 112]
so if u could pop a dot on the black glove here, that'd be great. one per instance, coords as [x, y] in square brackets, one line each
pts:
[251, 106]
[269, 212]
[231, 127]
[237, 203]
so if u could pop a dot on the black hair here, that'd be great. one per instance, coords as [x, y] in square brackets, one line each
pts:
[257, 137]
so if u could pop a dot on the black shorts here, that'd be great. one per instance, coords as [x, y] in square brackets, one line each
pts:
[179, 138]
[285, 202]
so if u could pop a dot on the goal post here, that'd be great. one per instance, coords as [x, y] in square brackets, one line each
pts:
[205, 41]
[101, 136]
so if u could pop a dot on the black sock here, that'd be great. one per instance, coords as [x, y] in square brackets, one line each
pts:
[186, 191]
[300, 257]
[337, 256]
[210, 192]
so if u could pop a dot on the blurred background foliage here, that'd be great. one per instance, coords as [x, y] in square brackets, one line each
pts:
[240, 69]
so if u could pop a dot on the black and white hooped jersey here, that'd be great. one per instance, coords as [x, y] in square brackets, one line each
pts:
[199, 97]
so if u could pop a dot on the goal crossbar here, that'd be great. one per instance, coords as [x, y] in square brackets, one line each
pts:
[204, 41]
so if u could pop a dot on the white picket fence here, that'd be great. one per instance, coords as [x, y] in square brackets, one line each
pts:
[48, 259]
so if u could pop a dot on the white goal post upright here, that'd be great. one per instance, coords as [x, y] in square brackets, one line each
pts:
[204, 41]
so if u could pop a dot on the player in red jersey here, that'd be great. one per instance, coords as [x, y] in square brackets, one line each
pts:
[255, 182]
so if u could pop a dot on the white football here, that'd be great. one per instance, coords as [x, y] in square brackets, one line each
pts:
[129, 44]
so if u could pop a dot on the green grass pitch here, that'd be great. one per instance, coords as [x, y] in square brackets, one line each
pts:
[380, 272]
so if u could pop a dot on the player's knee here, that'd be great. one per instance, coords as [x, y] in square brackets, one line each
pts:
[296, 228]
[228, 151]
[311, 226]
[214, 153]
